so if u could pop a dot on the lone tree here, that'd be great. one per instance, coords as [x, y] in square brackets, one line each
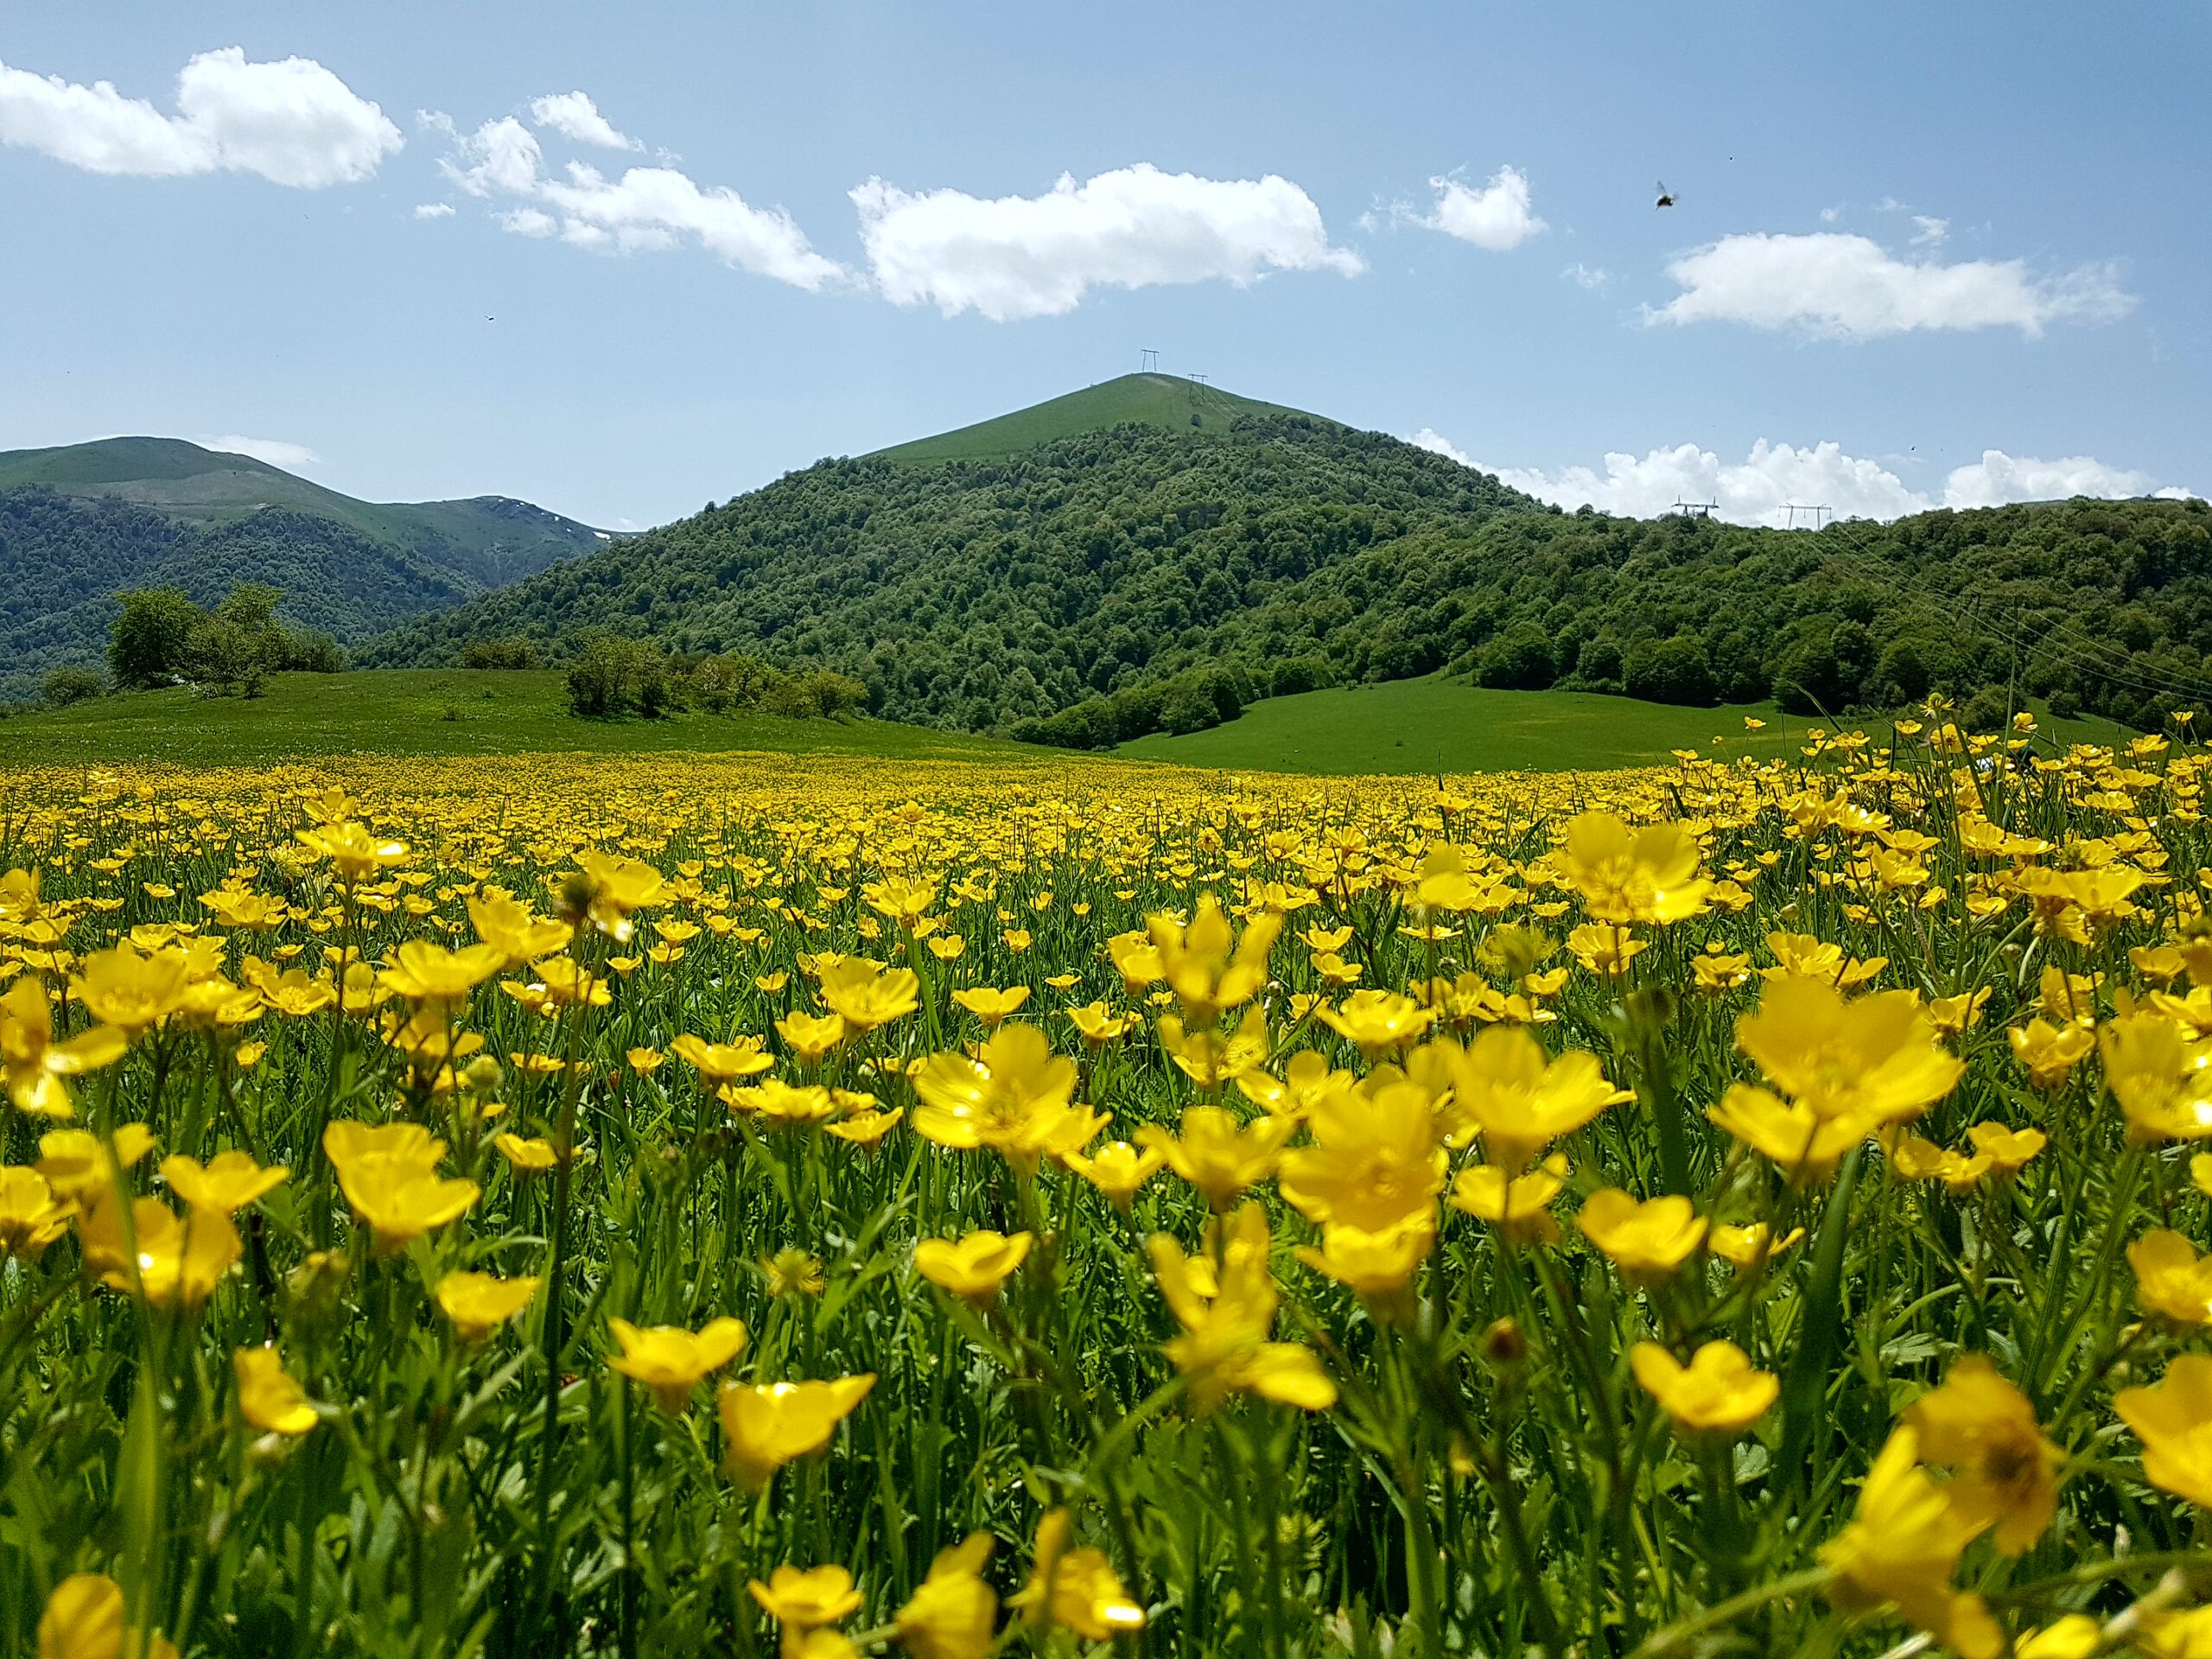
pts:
[150, 643]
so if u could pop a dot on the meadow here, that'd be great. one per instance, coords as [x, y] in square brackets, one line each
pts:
[517, 1205]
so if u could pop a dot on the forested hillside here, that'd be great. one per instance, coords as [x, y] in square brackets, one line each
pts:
[63, 558]
[1188, 572]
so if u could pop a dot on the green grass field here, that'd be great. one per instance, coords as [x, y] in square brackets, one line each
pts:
[405, 711]
[1166, 401]
[1436, 725]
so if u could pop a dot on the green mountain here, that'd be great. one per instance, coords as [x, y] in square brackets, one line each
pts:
[1168, 402]
[80, 523]
[1069, 575]
[489, 538]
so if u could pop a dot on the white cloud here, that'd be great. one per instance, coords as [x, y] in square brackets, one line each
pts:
[1757, 490]
[1429, 438]
[576, 116]
[434, 210]
[1588, 278]
[1930, 232]
[1495, 216]
[292, 122]
[275, 451]
[646, 210]
[1998, 477]
[1133, 227]
[1849, 287]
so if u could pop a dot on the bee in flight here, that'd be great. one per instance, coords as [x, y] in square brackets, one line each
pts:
[1666, 197]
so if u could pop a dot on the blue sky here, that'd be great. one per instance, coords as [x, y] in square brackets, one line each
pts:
[1920, 253]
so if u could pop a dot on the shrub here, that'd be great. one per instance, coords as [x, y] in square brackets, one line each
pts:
[1670, 671]
[514, 651]
[73, 683]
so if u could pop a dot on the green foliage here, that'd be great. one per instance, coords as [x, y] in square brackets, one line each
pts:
[515, 652]
[150, 643]
[1023, 592]
[63, 686]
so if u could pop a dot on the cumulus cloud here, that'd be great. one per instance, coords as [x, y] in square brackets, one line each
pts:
[1930, 232]
[1429, 438]
[646, 210]
[1590, 279]
[434, 210]
[1496, 217]
[292, 122]
[276, 451]
[575, 116]
[1849, 287]
[1015, 256]
[1758, 489]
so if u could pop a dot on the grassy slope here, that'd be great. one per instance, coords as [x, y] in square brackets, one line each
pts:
[401, 711]
[204, 486]
[1161, 400]
[1433, 724]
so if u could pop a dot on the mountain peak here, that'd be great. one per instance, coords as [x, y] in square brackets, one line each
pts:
[1172, 402]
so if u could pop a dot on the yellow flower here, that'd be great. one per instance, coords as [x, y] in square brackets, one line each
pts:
[1076, 1589]
[992, 1007]
[130, 991]
[767, 1425]
[1517, 1205]
[389, 1175]
[1116, 1169]
[77, 1165]
[672, 1361]
[1227, 1311]
[972, 1267]
[34, 1064]
[1871, 1061]
[1503, 1088]
[1206, 966]
[479, 1303]
[2049, 1053]
[2174, 1421]
[644, 1061]
[508, 927]
[865, 1129]
[532, 1156]
[1804, 1144]
[951, 1614]
[1209, 1056]
[1217, 1154]
[721, 1063]
[613, 888]
[2171, 1279]
[1100, 1024]
[31, 1217]
[1632, 875]
[2009, 1151]
[429, 974]
[1716, 974]
[171, 1260]
[799, 1600]
[1646, 1241]
[353, 852]
[83, 1620]
[2075, 1636]
[1374, 1163]
[1746, 1247]
[1981, 1427]
[1604, 950]
[1014, 1100]
[1718, 1393]
[1377, 1021]
[228, 1182]
[1902, 1547]
[864, 997]
[268, 1397]
[810, 1036]
[1375, 1263]
[2162, 1080]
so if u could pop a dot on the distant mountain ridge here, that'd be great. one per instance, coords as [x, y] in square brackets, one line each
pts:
[1170, 403]
[81, 522]
[491, 538]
